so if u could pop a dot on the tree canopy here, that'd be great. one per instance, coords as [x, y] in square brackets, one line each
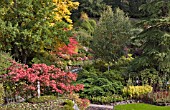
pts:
[30, 27]
[111, 35]
[155, 46]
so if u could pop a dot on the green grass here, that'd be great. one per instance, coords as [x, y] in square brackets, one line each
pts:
[140, 106]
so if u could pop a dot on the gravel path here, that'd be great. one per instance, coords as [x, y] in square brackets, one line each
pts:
[99, 107]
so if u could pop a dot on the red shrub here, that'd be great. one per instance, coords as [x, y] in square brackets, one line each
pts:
[49, 77]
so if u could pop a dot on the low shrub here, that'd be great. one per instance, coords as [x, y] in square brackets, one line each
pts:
[42, 99]
[106, 99]
[68, 105]
[99, 87]
[136, 91]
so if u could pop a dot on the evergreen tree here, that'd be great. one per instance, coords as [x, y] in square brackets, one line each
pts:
[92, 7]
[155, 45]
[156, 8]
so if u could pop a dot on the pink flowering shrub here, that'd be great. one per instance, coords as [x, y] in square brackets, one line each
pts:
[51, 79]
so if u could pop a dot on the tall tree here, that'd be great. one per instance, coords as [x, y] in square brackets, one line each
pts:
[155, 45]
[111, 35]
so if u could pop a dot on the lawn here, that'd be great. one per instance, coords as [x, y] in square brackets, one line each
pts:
[140, 106]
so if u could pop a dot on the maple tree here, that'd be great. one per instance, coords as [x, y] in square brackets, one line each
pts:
[68, 54]
[52, 79]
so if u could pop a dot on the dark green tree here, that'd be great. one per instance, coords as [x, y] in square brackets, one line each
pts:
[155, 45]
[28, 28]
[156, 8]
[92, 7]
[129, 6]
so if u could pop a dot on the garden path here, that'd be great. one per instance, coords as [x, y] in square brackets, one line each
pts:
[100, 107]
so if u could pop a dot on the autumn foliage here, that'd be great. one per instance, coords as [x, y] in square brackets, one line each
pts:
[69, 49]
[63, 10]
[54, 79]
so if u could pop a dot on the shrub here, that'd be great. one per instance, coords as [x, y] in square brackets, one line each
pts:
[42, 99]
[101, 82]
[52, 79]
[106, 99]
[88, 72]
[136, 91]
[95, 91]
[1, 94]
[112, 75]
[100, 87]
[98, 84]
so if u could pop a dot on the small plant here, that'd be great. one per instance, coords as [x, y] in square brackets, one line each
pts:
[82, 103]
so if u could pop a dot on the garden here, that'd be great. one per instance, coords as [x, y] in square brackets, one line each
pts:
[70, 54]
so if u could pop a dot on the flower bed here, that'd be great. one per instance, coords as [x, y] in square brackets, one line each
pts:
[161, 98]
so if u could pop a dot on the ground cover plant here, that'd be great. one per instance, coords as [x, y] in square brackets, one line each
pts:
[140, 106]
[57, 104]
[49, 102]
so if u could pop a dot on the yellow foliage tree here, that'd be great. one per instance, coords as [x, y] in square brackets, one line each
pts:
[63, 9]
[63, 12]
